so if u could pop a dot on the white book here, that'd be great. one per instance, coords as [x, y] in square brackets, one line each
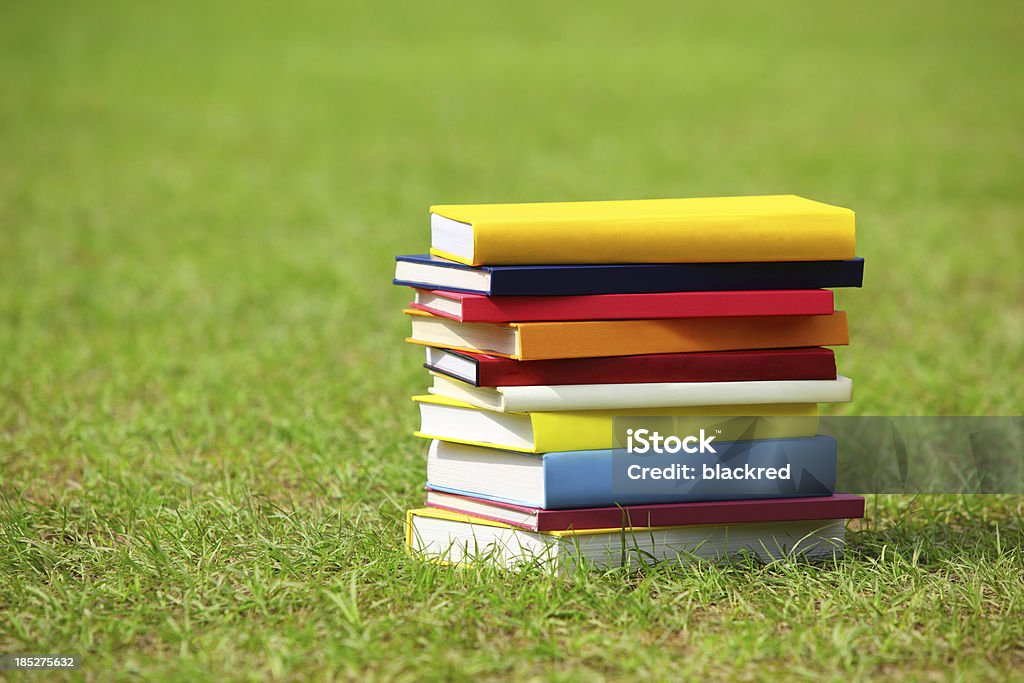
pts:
[538, 398]
[453, 363]
[442, 275]
[443, 536]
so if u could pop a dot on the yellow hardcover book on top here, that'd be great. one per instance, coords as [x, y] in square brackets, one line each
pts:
[710, 229]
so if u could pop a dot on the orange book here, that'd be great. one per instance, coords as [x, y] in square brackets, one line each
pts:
[595, 338]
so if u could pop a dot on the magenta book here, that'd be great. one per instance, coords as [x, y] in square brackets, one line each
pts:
[836, 506]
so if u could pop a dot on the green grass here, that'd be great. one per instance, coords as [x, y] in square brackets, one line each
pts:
[205, 445]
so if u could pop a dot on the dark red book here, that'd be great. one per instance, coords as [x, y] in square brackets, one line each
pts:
[478, 308]
[836, 506]
[714, 366]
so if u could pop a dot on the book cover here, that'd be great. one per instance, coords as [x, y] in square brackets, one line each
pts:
[587, 339]
[836, 506]
[707, 229]
[432, 272]
[643, 395]
[479, 308]
[714, 366]
[576, 430]
[729, 470]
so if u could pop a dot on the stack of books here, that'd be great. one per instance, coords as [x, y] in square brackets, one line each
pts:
[628, 381]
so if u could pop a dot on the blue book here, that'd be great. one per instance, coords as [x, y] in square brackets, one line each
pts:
[729, 470]
[430, 272]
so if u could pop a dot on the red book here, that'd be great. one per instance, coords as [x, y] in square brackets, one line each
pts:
[713, 366]
[836, 506]
[478, 308]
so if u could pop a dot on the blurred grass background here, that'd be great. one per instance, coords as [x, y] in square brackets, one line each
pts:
[204, 385]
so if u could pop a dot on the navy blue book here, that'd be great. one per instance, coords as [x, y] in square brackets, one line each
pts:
[725, 470]
[430, 272]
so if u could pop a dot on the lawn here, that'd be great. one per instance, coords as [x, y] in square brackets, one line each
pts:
[205, 431]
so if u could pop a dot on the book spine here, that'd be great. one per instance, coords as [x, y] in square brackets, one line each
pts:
[674, 277]
[630, 337]
[727, 366]
[593, 429]
[714, 512]
[611, 396]
[645, 306]
[783, 236]
[584, 480]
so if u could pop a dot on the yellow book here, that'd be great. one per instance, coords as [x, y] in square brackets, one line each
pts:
[438, 513]
[593, 338]
[709, 229]
[452, 538]
[582, 430]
